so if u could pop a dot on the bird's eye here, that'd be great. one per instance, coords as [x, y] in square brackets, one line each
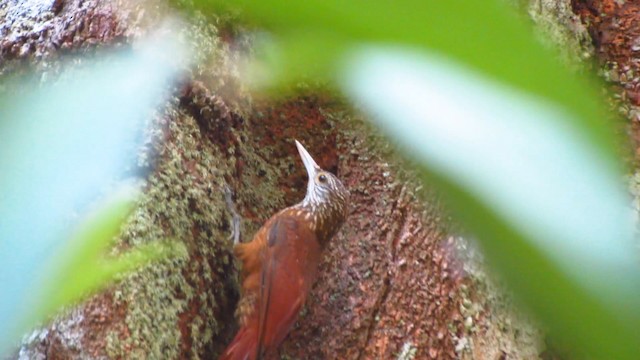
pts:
[322, 178]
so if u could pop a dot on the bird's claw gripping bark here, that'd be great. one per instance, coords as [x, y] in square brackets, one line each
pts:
[235, 216]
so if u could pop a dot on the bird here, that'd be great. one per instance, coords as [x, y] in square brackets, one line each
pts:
[280, 263]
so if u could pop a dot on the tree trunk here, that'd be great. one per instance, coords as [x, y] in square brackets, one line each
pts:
[395, 283]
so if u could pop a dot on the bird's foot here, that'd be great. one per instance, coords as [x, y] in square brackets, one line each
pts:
[235, 216]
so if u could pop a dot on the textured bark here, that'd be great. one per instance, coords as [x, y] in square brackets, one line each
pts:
[392, 283]
[614, 27]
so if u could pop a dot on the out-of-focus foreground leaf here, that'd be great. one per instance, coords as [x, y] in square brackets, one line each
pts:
[63, 145]
[312, 38]
[550, 212]
[82, 265]
[519, 145]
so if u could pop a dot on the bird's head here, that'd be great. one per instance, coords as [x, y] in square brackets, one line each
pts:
[326, 197]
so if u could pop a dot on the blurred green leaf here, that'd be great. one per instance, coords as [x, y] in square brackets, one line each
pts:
[78, 269]
[313, 35]
[66, 140]
[571, 315]
[550, 211]
[83, 267]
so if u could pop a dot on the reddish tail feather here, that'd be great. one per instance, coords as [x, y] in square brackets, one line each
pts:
[243, 347]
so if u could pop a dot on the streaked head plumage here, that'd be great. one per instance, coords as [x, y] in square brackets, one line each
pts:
[326, 196]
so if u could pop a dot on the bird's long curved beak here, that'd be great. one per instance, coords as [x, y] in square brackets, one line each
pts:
[309, 163]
